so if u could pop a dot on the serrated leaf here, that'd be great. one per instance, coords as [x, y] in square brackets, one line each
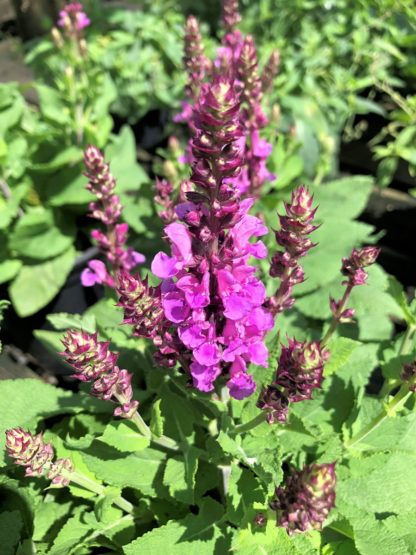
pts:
[71, 535]
[341, 349]
[139, 470]
[64, 321]
[179, 476]
[194, 535]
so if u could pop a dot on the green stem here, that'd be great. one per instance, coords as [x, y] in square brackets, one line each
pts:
[405, 348]
[166, 442]
[337, 315]
[393, 406]
[141, 425]
[259, 419]
[98, 489]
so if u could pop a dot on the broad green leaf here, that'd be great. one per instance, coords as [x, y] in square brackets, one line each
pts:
[46, 515]
[124, 437]
[341, 349]
[66, 157]
[141, 470]
[52, 105]
[64, 321]
[122, 153]
[194, 535]
[36, 285]
[36, 235]
[9, 269]
[71, 535]
[179, 476]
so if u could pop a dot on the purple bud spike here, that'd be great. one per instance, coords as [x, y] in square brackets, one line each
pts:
[230, 15]
[107, 208]
[36, 456]
[275, 403]
[300, 369]
[295, 226]
[194, 59]
[270, 71]
[90, 358]
[306, 498]
[94, 362]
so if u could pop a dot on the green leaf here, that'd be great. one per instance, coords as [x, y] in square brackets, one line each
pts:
[122, 153]
[66, 157]
[31, 400]
[341, 349]
[9, 269]
[46, 515]
[124, 437]
[37, 236]
[140, 470]
[64, 321]
[10, 526]
[194, 535]
[156, 419]
[179, 476]
[52, 105]
[36, 285]
[71, 535]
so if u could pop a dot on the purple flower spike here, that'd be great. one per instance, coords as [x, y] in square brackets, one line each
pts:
[214, 320]
[295, 226]
[270, 71]
[194, 59]
[306, 498]
[106, 208]
[94, 362]
[299, 372]
[230, 15]
[36, 456]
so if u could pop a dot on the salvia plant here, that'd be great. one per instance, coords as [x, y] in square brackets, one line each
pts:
[241, 424]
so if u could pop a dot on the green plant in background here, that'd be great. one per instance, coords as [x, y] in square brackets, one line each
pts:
[41, 184]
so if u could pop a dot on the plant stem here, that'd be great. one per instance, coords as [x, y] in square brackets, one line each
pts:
[259, 419]
[405, 348]
[336, 317]
[98, 489]
[393, 406]
[141, 425]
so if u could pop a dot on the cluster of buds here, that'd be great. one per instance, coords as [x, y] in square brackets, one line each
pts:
[295, 227]
[306, 498]
[353, 266]
[353, 269]
[107, 209]
[36, 456]
[163, 197]
[299, 372]
[94, 362]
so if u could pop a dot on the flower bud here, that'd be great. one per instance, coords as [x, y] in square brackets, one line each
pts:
[306, 498]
